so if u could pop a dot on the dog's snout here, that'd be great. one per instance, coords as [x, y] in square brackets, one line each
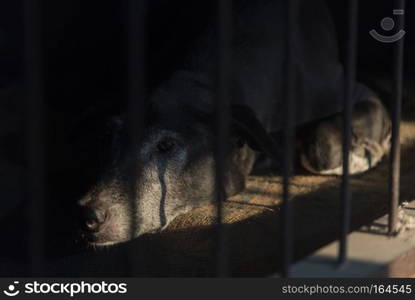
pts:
[93, 218]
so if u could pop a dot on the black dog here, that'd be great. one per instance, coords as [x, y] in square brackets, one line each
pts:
[175, 158]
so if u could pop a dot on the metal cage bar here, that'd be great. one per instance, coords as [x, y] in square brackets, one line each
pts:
[349, 85]
[224, 23]
[289, 137]
[395, 154]
[136, 94]
[35, 136]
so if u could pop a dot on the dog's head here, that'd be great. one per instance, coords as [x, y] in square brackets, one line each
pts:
[170, 171]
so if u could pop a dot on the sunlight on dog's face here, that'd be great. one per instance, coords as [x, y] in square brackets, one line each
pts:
[148, 185]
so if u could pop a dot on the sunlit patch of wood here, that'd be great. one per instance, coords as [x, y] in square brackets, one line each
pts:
[252, 216]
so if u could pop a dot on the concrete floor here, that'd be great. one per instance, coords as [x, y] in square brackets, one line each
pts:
[371, 252]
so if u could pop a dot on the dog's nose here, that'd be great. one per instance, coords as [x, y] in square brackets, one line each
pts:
[93, 218]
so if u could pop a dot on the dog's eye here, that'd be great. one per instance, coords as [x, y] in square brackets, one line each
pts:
[165, 145]
[240, 142]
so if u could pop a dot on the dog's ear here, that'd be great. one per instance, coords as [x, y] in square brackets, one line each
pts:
[241, 162]
[245, 121]
[248, 135]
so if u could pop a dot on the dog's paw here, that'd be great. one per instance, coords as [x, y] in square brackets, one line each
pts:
[364, 155]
